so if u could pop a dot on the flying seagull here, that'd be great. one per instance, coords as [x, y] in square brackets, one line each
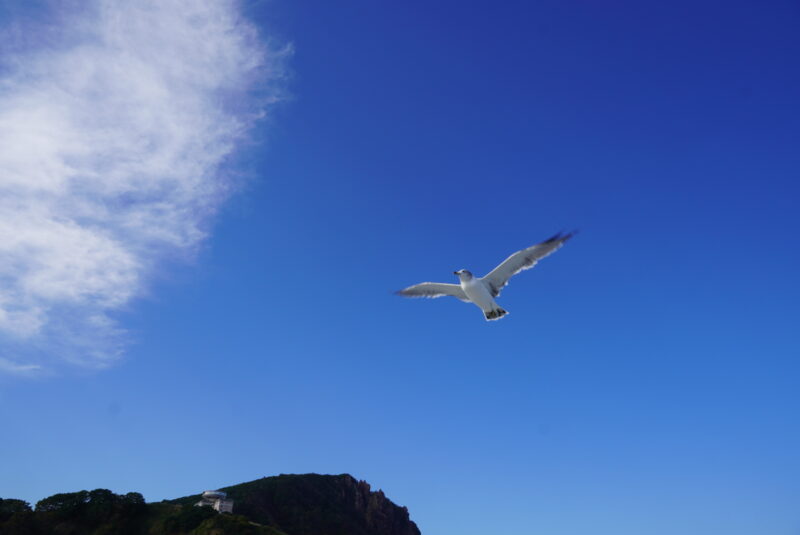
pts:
[483, 290]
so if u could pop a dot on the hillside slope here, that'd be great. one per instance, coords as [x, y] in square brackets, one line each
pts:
[313, 504]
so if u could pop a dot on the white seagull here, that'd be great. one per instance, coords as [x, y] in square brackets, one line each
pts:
[483, 290]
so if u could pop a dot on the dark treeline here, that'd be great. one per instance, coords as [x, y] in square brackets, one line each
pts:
[101, 512]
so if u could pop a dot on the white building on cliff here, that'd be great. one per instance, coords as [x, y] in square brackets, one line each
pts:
[216, 499]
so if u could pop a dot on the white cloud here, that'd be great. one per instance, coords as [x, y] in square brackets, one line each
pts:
[114, 127]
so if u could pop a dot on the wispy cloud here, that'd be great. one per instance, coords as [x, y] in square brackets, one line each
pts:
[115, 124]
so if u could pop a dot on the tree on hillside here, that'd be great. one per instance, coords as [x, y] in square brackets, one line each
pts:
[187, 518]
[68, 503]
[9, 506]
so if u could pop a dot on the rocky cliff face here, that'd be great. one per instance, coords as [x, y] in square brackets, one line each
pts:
[312, 504]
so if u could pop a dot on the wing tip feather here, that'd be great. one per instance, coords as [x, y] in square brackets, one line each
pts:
[405, 293]
[561, 236]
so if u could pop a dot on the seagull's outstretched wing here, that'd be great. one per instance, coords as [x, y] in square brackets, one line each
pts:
[521, 260]
[434, 289]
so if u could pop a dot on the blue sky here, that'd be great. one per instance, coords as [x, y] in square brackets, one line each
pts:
[646, 378]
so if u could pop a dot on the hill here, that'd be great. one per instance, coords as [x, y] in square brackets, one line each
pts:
[313, 504]
[307, 504]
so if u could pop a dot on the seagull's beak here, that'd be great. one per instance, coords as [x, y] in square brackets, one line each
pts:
[455, 273]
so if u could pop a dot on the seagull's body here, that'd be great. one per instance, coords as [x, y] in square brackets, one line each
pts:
[481, 291]
[478, 293]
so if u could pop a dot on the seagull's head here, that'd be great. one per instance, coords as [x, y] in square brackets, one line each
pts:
[463, 274]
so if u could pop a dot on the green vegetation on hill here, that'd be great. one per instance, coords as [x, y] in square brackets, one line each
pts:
[101, 512]
[313, 504]
[308, 504]
[97, 512]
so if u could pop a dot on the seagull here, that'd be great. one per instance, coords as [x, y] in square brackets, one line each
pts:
[482, 290]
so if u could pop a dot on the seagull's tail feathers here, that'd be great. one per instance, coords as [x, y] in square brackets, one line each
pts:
[494, 314]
